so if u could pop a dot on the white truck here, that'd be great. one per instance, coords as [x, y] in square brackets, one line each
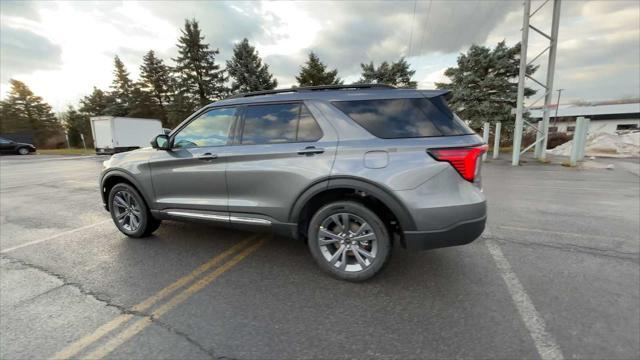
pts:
[117, 134]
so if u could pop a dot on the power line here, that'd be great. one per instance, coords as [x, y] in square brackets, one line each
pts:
[426, 27]
[424, 31]
[415, 3]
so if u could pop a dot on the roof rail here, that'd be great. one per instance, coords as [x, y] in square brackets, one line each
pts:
[313, 88]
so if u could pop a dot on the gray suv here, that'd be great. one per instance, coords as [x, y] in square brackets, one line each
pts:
[348, 169]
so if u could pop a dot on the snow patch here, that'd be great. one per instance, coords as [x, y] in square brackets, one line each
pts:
[604, 144]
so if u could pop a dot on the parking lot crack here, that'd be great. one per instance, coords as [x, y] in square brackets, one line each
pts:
[102, 298]
[186, 336]
[619, 255]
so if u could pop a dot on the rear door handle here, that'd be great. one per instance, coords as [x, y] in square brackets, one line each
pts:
[310, 150]
[207, 156]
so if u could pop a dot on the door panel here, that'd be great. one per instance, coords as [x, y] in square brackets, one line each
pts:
[192, 174]
[182, 180]
[6, 145]
[266, 178]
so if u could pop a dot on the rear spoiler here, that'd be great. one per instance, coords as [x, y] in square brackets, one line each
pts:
[435, 93]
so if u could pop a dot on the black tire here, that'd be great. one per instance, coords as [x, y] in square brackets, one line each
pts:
[357, 213]
[147, 224]
[23, 151]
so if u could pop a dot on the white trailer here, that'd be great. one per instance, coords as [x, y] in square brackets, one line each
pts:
[117, 134]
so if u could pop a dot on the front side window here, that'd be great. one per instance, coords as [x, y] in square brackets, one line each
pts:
[212, 128]
[4, 141]
[279, 123]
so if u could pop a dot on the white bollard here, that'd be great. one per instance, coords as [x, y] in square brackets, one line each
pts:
[537, 149]
[583, 137]
[579, 139]
[496, 140]
[485, 138]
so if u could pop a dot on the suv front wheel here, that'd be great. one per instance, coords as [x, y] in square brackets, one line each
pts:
[129, 212]
[349, 241]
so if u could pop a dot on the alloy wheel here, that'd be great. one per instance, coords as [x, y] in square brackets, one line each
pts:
[347, 242]
[127, 211]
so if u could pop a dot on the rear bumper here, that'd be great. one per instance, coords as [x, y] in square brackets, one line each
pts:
[458, 234]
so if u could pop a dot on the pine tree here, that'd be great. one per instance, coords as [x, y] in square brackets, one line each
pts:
[198, 74]
[314, 73]
[122, 87]
[247, 70]
[155, 79]
[485, 84]
[143, 105]
[97, 103]
[397, 74]
[181, 106]
[77, 123]
[23, 111]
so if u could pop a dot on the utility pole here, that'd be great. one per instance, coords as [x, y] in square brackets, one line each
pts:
[555, 118]
[524, 44]
[542, 128]
[551, 70]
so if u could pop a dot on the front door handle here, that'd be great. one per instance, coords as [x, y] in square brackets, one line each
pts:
[207, 156]
[310, 150]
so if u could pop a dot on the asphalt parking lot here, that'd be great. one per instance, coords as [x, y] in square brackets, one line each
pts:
[556, 274]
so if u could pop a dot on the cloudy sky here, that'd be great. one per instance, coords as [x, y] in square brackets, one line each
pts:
[63, 49]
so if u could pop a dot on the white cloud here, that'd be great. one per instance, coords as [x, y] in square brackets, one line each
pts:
[89, 38]
[429, 82]
[598, 51]
[294, 29]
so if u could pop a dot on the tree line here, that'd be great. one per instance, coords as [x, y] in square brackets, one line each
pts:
[172, 93]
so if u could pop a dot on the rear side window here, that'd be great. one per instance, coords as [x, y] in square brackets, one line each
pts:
[279, 123]
[404, 118]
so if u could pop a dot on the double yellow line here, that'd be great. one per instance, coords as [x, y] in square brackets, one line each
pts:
[243, 249]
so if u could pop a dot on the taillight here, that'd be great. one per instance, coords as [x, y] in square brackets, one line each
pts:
[465, 160]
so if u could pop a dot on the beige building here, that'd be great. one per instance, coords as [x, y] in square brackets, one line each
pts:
[604, 118]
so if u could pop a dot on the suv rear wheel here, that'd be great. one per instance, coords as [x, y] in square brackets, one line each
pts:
[130, 213]
[349, 241]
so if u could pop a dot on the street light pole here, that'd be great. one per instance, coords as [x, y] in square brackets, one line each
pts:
[555, 118]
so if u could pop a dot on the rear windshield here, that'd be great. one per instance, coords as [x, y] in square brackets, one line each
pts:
[404, 118]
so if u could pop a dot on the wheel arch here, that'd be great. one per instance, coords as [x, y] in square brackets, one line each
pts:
[336, 188]
[110, 179]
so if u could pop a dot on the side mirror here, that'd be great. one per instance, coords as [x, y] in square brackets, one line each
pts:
[161, 142]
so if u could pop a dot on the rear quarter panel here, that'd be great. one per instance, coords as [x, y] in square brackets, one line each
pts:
[432, 191]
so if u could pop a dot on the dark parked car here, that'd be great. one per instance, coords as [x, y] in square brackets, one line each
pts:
[11, 147]
[348, 169]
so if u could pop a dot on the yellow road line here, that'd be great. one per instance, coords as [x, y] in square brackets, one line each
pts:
[103, 330]
[141, 324]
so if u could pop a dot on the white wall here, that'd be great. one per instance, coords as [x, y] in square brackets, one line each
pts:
[608, 126]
